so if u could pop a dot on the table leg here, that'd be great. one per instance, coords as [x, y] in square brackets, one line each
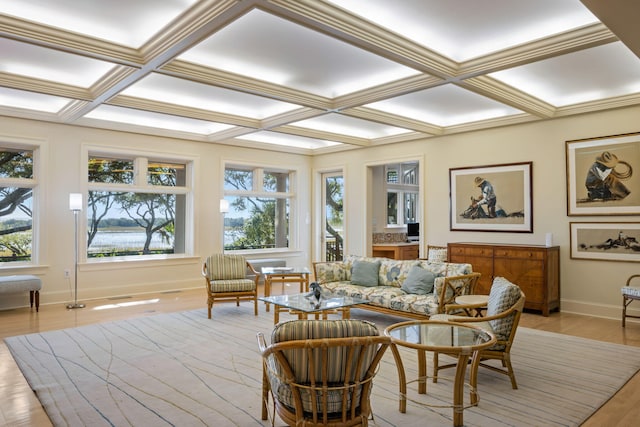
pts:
[402, 379]
[346, 313]
[422, 372]
[473, 378]
[267, 291]
[458, 389]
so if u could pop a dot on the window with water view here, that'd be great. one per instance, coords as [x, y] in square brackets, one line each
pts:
[135, 207]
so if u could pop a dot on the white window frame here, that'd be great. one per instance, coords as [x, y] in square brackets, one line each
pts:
[140, 185]
[258, 191]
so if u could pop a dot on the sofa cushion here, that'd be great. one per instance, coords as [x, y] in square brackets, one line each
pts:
[419, 281]
[393, 272]
[365, 273]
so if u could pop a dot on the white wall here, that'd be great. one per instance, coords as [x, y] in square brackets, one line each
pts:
[590, 287]
[62, 146]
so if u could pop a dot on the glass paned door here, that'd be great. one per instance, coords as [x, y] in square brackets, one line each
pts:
[333, 216]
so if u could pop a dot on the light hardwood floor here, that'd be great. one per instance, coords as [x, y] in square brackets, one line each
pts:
[20, 407]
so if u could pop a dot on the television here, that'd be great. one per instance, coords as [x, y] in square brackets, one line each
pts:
[413, 231]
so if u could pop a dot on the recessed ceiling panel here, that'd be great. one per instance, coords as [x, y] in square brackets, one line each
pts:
[351, 126]
[465, 29]
[278, 51]
[184, 92]
[31, 100]
[28, 60]
[445, 105]
[129, 23]
[131, 116]
[284, 139]
[587, 75]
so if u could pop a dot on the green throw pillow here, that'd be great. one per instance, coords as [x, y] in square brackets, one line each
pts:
[365, 273]
[419, 281]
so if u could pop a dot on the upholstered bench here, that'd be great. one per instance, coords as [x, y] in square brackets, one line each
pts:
[22, 283]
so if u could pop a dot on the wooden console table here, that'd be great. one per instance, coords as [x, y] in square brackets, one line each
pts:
[397, 250]
[535, 269]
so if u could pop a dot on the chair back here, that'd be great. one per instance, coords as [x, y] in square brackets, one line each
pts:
[321, 370]
[437, 253]
[226, 267]
[502, 297]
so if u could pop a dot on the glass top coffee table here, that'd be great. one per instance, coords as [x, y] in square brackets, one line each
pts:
[432, 335]
[303, 305]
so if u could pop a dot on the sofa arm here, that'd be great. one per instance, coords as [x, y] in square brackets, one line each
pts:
[446, 289]
[332, 271]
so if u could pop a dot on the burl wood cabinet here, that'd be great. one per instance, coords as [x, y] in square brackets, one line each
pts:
[535, 269]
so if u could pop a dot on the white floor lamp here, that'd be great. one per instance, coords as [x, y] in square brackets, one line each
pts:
[75, 204]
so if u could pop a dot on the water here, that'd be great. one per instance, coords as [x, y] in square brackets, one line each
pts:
[126, 240]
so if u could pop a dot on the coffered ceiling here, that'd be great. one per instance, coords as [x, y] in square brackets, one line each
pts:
[311, 76]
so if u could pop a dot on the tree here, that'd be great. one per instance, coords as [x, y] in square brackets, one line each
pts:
[16, 164]
[334, 191]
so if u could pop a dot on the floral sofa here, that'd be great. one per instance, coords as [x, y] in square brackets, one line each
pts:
[409, 288]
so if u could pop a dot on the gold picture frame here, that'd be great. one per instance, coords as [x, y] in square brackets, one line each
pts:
[599, 175]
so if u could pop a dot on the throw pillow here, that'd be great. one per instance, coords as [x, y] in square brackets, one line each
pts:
[365, 273]
[419, 281]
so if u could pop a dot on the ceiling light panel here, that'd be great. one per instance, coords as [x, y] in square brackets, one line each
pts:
[28, 60]
[339, 124]
[587, 75]
[129, 23]
[465, 29]
[32, 101]
[273, 49]
[131, 116]
[184, 92]
[445, 105]
[276, 138]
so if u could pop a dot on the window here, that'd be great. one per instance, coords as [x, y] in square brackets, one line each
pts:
[259, 208]
[17, 184]
[402, 193]
[136, 206]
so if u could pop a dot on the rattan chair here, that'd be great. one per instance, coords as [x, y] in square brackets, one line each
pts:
[226, 280]
[506, 302]
[629, 294]
[320, 372]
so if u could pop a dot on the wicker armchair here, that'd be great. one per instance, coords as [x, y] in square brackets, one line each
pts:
[226, 280]
[506, 302]
[320, 372]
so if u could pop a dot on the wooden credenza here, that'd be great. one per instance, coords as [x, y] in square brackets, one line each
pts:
[535, 269]
[397, 250]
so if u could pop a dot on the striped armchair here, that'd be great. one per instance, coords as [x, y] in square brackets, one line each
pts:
[320, 372]
[226, 279]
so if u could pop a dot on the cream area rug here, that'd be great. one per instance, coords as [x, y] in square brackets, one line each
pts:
[183, 369]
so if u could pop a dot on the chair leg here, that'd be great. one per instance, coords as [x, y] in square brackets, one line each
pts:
[435, 367]
[512, 375]
[37, 301]
[255, 306]
[265, 393]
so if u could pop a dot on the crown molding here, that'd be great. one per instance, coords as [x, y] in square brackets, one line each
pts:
[43, 86]
[393, 120]
[506, 94]
[207, 75]
[559, 44]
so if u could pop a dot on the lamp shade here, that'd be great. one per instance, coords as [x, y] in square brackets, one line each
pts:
[224, 206]
[75, 201]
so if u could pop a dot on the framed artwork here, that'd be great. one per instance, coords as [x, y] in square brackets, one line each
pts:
[608, 241]
[600, 178]
[492, 198]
